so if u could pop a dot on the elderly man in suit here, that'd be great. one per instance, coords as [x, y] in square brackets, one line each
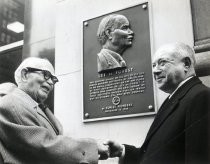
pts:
[30, 134]
[180, 133]
[115, 36]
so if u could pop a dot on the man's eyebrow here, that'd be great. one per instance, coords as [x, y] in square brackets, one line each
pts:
[158, 60]
[125, 25]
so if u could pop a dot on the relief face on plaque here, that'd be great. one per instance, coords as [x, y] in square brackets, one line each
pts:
[117, 69]
[115, 36]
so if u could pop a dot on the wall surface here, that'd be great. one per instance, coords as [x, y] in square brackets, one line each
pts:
[170, 21]
[39, 34]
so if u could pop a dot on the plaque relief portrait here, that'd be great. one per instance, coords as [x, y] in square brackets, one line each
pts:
[117, 68]
[115, 36]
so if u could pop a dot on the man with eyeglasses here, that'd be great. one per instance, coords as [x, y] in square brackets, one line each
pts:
[31, 135]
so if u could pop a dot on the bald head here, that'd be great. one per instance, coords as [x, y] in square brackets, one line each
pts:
[179, 50]
[33, 62]
[109, 23]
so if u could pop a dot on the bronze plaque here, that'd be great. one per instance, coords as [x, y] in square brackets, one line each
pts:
[117, 69]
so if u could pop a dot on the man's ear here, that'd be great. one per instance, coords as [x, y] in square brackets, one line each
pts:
[24, 74]
[108, 33]
[187, 62]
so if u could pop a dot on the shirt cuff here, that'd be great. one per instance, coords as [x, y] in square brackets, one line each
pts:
[121, 158]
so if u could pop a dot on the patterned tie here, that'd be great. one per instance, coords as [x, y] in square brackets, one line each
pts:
[42, 106]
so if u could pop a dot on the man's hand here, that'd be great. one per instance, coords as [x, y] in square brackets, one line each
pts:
[103, 150]
[115, 149]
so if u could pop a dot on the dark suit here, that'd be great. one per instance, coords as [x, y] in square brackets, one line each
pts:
[29, 135]
[180, 132]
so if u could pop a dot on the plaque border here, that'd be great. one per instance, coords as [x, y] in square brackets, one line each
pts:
[152, 52]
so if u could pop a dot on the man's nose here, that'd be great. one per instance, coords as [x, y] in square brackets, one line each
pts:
[49, 81]
[130, 32]
[156, 70]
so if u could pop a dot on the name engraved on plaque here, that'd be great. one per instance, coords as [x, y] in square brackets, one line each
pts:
[117, 108]
[122, 85]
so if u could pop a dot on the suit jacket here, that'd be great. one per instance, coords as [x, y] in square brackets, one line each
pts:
[180, 133]
[31, 136]
[109, 60]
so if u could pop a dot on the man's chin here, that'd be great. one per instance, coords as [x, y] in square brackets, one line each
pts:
[43, 97]
[161, 86]
[129, 44]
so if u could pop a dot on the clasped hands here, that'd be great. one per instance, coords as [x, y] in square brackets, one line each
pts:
[110, 149]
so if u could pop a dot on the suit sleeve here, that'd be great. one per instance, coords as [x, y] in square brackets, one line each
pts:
[132, 155]
[197, 136]
[25, 141]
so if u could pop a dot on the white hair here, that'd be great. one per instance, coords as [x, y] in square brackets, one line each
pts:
[179, 49]
[33, 62]
[186, 51]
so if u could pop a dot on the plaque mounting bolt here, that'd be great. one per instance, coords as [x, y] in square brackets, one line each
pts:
[86, 23]
[87, 115]
[144, 7]
[150, 107]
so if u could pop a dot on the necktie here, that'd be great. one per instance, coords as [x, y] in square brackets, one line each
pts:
[42, 106]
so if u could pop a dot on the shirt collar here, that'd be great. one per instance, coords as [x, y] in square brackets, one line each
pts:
[180, 84]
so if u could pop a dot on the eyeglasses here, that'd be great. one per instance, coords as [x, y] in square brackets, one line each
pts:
[47, 75]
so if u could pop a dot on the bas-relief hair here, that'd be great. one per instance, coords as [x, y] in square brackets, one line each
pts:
[34, 62]
[106, 23]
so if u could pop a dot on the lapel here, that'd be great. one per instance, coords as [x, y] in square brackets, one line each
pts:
[32, 106]
[54, 121]
[48, 115]
[170, 105]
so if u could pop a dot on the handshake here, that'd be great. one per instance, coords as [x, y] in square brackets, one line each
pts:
[109, 149]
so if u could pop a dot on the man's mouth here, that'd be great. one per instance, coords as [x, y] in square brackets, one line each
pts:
[159, 78]
[46, 89]
[130, 38]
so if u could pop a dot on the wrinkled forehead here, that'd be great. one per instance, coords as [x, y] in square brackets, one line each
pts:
[40, 64]
[120, 20]
[165, 52]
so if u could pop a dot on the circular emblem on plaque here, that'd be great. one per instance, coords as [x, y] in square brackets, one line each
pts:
[115, 100]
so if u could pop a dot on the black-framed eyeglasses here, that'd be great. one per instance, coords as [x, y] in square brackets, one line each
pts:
[47, 75]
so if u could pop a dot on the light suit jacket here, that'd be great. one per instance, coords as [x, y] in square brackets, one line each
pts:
[180, 133]
[30, 136]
